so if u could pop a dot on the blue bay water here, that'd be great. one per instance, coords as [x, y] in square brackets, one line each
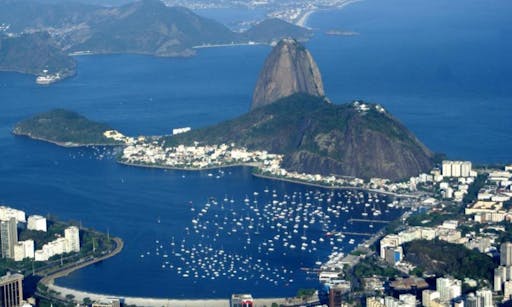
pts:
[441, 68]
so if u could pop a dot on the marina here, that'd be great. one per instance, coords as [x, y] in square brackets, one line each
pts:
[268, 237]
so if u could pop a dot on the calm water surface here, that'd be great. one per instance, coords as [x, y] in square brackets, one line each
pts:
[442, 68]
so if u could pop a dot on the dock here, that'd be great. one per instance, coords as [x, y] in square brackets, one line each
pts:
[369, 221]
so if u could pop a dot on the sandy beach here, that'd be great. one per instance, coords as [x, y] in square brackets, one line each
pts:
[143, 301]
[303, 20]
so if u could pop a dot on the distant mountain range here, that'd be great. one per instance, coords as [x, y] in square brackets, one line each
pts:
[142, 27]
[357, 139]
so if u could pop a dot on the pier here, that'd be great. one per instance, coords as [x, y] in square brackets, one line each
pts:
[369, 221]
[365, 234]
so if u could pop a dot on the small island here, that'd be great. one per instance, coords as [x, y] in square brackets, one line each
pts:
[65, 128]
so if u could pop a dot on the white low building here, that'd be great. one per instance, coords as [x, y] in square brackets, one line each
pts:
[67, 244]
[40, 255]
[24, 249]
[36, 222]
[6, 213]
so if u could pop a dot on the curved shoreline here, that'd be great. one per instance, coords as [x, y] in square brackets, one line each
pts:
[312, 184]
[79, 295]
[303, 20]
[50, 279]
[63, 144]
[188, 169]
[317, 185]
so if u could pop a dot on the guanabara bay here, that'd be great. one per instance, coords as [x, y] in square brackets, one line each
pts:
[255, 153]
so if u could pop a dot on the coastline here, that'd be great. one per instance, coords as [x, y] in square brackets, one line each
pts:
[217, 167]
[317, 185]
[50, 279]
[156, 302]
[303, 20]
[79, 296]
[312, 184]
[63, 144]
[228, 45]
[184, 168]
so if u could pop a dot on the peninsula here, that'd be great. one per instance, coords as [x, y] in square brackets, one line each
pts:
[290, 116]
[37, 54]
[299, 136]
[64, 128]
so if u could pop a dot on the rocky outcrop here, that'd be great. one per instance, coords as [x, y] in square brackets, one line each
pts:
[289, 69]
[316, 137]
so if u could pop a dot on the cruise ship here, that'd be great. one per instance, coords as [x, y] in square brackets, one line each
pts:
[47, 78]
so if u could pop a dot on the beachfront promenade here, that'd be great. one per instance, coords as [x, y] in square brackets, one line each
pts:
[79, 296]
[143, 301]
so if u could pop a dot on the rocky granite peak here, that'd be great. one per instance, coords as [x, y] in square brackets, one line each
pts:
[289, 69]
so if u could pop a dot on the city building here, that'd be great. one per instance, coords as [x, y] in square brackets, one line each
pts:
[506, 254]
[507, 290]
[390, 301]
[448, 288]
[498, 280]
[374, 302]
[336, 293]
[11, 290]
[109, 302]
[67, 244]
[457, 169]
[388, 241]
[408, 299]
[36, 222]
[24, 249]
[428, 297]
[241, 300]
[408, 285]
[7, 213]
[9, 237]
[393, 254]
[471, 300]
[72, 236]
[484, 297]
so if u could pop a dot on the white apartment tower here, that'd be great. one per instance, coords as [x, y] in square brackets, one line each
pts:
[484, 297]
[506, 254]
[9, 237]
[446, 169]
[456, 168]
[72, 235]
[448, 288]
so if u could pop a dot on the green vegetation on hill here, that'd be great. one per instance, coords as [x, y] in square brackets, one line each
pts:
[320, 137]
[64, 128]
[33, 53]
[273, 29]
[150, 27]
[143, 27]
[22, 15]
[443, 258]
